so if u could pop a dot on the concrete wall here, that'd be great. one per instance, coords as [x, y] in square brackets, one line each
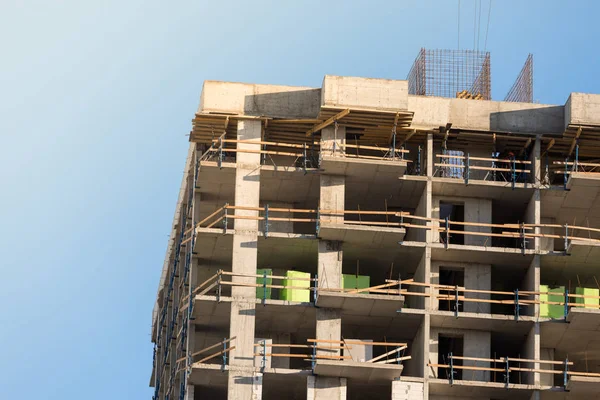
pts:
[322, 388]
[531, 282]
[421, 275]
[407, 390]
[347, 91]
[532, 216]
[258, 100]
[546, 379]
[582, 109]
[417, 365]
[476, 210]
[476, 344]
[433, 112]
[419, 234]
[531, 351]
[477, 276]
[244, 261]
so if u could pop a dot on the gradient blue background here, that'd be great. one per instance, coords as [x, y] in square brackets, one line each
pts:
[95, 101]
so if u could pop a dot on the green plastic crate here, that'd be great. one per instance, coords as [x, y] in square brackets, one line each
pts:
[260, 291]
[348, 281]
[356, 282]
[589, 302]
[299, 295]
[552, 310]
[363, 281]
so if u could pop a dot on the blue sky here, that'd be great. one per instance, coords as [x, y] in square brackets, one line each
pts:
[95, 101]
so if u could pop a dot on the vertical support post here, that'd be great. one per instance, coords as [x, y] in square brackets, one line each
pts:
[225, 219]
[335, 129]
[316, 288]
[506, 371]
[456, 301]
[566, 173]
[266, 221]
[516, 304]
[314, 355]
[393, 149]
[264, 299]
[447, 232]
[523, 241]
[304, 158]
[318, 222]
[467, 170]
[566, 311]
[224, 354]
[451, 375]
[513, 168]
[219, 277]
[419, 161]
[566, 372]
[399, 285]
[576, 162]
[264, 355]
[566, 238]
[220, 158]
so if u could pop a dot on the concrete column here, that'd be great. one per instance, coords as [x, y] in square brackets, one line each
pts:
[430, 154]
[478, 276]
[536, 162]
[329, 260]
[247, 385]
[531, 282]
[324, 388]
[332, 141]
[402, 390]
[533, 216]
[531, 351]
[189, 392]
[475, 344]
[244, 261]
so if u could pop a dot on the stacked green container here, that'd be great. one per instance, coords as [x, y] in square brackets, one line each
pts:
[290, 280]
[355, 282]
[554, 295]
[588, 302]
[260, 291]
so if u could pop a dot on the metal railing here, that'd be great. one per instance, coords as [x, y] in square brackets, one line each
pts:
[482, 168]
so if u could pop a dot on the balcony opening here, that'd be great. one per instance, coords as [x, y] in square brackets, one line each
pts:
[454, 212]
[450, 344]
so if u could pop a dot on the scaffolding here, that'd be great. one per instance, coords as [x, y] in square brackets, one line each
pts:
[522, 90]
[451, 74]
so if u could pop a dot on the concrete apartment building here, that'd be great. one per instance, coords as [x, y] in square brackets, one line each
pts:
[358, 241]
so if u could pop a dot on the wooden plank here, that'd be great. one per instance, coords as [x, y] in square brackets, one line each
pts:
[387, 354]
[328, 122]
[574, 142]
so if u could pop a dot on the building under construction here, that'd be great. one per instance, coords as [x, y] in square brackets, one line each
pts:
[384, 239]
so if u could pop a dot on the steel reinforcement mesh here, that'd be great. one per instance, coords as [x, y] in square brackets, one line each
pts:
[451, 73]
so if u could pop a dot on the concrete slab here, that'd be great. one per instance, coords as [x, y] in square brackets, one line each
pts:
[499, 256]
[369, 235]
[349, 166]
[579, 205]
[580, 264]
[362, 371]
[505, 324]
[584, 386]
[275, 316]
[214, 248]
[476, 389]
[499, 192]
[577, 337]
[361, 303]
